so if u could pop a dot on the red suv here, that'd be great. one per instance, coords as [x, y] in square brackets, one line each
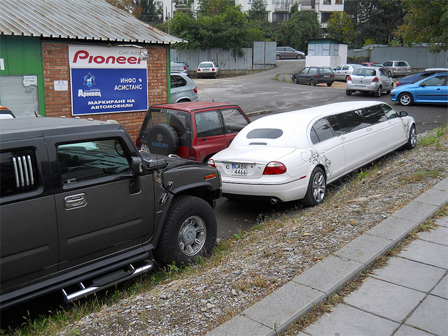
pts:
[193, 130]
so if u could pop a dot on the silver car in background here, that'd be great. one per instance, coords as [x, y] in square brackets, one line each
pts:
[397, 68]
[183, 89]
[179, 67]
[288, 52]
[369, 79]
[342, 72]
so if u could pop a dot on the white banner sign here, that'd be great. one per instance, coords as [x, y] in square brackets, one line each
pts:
[106, 57]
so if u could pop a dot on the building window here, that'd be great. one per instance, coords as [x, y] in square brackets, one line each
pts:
[325, 17]
[280, 16]
[327, 2]
[339, 2]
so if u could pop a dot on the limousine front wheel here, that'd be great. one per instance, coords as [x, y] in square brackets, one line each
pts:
[412, 140]
[316, 188]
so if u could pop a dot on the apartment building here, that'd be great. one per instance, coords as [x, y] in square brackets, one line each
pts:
[278, 10]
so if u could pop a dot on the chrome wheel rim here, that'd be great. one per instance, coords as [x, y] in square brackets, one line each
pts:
[192, 235]
[413, 137]
[405, 100]
[319, 187]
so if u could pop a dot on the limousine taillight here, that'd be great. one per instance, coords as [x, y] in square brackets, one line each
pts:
[274, 168]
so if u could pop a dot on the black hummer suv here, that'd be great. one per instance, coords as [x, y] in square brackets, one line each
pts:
[82, 209]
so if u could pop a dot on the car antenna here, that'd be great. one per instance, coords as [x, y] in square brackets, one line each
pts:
[208, 95]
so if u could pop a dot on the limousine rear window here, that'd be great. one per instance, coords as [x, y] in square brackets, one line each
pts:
[265, 133]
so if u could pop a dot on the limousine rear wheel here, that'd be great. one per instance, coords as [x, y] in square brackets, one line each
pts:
[412, 140]
[316, 188]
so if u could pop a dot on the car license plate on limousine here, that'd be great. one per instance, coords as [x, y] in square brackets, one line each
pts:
[239, 169]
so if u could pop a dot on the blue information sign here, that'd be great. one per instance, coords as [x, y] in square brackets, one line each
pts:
[96, 91]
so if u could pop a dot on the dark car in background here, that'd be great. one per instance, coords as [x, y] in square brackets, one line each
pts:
[419, 76]
[193, 131]
[288, 52]
[314, 75]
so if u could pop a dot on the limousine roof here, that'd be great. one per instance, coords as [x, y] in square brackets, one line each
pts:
[295, 124]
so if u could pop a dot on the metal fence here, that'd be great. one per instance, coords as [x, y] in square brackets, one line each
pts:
[261, 57]
[417, 57]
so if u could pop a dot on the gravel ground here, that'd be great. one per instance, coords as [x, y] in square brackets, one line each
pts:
[283, 245]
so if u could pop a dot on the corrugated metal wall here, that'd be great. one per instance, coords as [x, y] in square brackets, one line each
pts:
[417, 57]
[225, 58]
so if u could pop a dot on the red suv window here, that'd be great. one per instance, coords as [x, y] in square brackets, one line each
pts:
[194, 131]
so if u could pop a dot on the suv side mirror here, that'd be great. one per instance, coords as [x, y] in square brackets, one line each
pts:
[137, 165]
[137, 170]
[403, 114]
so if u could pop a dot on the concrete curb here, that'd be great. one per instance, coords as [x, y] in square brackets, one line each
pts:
[276, 312]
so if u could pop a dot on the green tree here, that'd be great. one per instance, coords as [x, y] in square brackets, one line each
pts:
[214, 7]
[301, 27]
[228, 30]
[375, 20]
[123, 4]
[148, 10]
[426, 22]
[258, 11]
[341, 27]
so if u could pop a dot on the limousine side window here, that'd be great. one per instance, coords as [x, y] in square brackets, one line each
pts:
[374, 115]
[322, 131]
[338, 123]
[88, 160]
[354, 120]
[389, 111]
[18, 172]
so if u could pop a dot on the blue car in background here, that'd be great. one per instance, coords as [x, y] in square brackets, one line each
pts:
[431, 90]
[411, 79]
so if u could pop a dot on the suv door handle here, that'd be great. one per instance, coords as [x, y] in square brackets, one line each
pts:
[75, 201]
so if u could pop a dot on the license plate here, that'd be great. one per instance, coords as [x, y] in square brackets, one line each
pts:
[326, 75]
[360, 86]
[239, 169]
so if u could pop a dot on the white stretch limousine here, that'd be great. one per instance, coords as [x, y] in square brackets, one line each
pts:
[293, 155]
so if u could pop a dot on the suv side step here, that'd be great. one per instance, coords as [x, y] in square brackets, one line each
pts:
[108, 280]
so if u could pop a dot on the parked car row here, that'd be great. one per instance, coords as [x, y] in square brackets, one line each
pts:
[283, 157]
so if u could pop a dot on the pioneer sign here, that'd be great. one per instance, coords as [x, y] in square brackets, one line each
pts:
[107, 80]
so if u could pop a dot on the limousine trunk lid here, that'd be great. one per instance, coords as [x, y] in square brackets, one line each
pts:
[248, 162]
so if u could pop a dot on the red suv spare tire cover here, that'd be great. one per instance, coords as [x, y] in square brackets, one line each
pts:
[163, 140]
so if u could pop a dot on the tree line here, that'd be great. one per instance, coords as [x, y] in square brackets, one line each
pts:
[223, 24]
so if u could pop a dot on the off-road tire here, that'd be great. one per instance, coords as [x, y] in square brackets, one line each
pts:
[191, 222]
